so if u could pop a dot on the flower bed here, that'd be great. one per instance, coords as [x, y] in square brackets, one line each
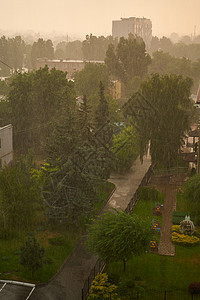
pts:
[183, 239]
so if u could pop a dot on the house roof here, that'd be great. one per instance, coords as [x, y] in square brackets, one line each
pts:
[193, 133]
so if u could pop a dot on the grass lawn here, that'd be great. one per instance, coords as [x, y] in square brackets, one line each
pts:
[55, 255]
[155, 272]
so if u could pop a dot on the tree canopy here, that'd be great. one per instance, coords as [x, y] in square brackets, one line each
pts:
[129, 59]
[161, 112]
[117, 236]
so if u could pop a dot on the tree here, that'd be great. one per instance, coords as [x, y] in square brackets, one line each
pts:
[161, 112]
[31, 255]
[94, 48]
[117, 236]
[126, 148]
[17, 198]
[101, 288]
[128, 60]
[41, 49]
[87, 81]
[36, 100]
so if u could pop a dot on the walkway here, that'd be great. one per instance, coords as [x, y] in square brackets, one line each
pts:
[68, 282]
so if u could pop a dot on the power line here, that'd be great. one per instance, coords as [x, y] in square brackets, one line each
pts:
[6, 64]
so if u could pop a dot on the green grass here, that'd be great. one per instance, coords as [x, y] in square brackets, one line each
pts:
[160, 272]
[55, 255]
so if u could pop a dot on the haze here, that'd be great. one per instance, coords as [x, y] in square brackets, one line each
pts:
[83, 17]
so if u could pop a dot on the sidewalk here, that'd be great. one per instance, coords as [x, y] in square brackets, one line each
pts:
[68, 282]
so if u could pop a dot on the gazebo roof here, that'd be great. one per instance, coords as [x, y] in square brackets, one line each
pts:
[190, 157]
[193, 133]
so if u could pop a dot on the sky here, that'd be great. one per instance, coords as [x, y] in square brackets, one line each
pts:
[81, 17]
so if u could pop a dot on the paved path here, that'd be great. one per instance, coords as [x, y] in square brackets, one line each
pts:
[68, 282]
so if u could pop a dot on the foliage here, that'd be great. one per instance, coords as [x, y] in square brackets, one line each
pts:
[126, 148]
[148, 193]
[161, 99]
[17, 197]
[118, 236]
[179, 216]
[94, 48]
[191, 194]
[11, 53]
[36, 100]
[31, 256]
[41, 49]
[101, 288]
[194, 288]
[129, 59]
[87, 81]
[185, 240]
[176, 228]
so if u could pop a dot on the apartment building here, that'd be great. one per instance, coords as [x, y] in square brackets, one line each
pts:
[141, 27]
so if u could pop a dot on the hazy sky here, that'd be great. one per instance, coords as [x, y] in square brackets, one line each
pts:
[82, 17]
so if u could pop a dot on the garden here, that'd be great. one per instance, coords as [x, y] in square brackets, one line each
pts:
[153, 275]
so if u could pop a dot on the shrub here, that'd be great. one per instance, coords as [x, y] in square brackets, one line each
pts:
[179, 216]
[194, 288]
[58, 241]
[101, 288]
[176, 228]
[184, 240]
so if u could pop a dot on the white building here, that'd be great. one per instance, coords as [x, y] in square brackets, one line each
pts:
[6, 144]
[141, 27]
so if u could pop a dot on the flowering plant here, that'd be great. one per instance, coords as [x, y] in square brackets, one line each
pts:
[183, 239]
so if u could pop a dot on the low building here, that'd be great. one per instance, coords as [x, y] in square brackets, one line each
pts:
[6, 144]
[65, 65]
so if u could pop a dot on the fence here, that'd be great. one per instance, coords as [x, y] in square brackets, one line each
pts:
[99, 266]
[162, 295]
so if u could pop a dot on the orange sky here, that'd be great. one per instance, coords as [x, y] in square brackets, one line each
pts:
[95, 16]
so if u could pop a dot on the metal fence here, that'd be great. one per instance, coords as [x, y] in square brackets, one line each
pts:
[99, 266]
[162, 295]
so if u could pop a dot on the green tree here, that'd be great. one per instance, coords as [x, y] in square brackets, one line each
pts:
[128, 60]
[41, 49]
[87, 81]
[126, 148]
[161, 112]
[118, 236]
[31, 255]
[94, 48]
[35, 100]
[101, 288]
[17, 198]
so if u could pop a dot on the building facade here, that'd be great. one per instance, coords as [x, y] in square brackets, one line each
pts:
[6, 144]
[141, 27]
[69, 66]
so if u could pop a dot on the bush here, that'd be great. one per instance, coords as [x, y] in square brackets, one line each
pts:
[179, 216]
[194, 288]
[176, 228]
[150, 194]
[184, 240]
[58, 241]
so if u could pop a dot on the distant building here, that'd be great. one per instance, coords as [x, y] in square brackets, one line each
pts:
[115, 89]
[6, 144]
[137, 26]
[69, 66]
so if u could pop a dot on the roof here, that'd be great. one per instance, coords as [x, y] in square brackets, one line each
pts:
[190, 157]
[193, 133]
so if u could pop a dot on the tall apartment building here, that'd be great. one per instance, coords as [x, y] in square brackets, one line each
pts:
[137, 26]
